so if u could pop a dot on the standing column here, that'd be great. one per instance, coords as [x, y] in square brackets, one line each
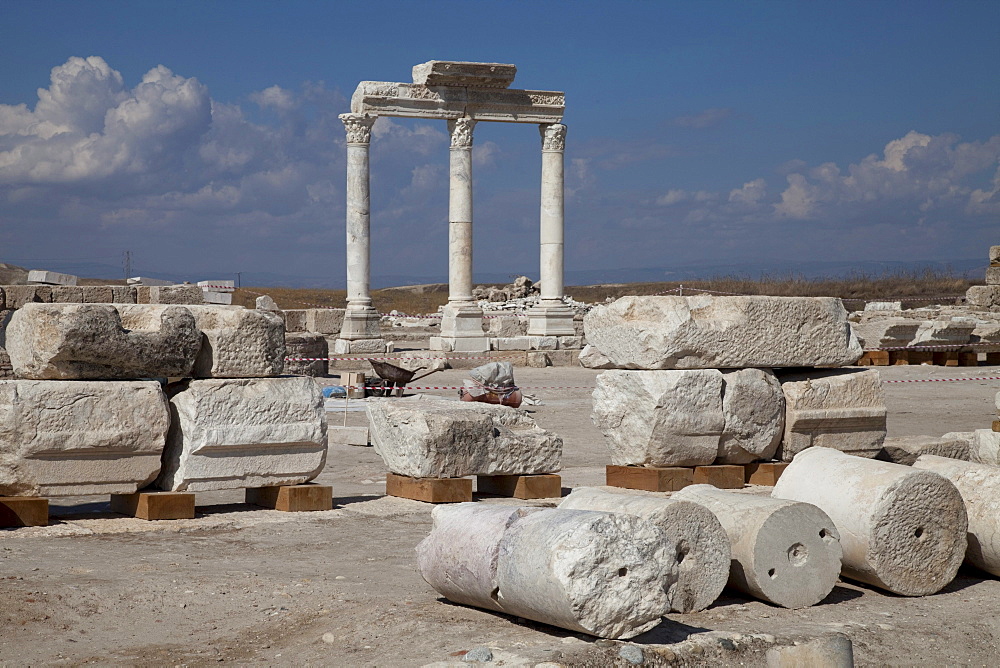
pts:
[551, 317]
[462, 323]
[361, 320]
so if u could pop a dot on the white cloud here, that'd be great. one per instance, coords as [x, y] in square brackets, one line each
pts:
[704, 119]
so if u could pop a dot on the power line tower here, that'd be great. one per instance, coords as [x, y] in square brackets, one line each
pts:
[127, 264]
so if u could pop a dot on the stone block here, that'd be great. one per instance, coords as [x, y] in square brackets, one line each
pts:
[783, 552]
[721, 476]
[295, 319]
[592, 358]
[73, 438]
[363, 347]
[994, 254]
[763, 473]
[834, 650]
[92, 341]
[943, 332]
[506, 326]
[537, 359]
[428, 438]
[703, 553]
[706, 332]
[884, 306]
[454, 73]
[325, 320]
[906, 449]
[983, 296]
[544, 486]
[660, 418]
[138, 281]
[339, 435]
[993, 276]
[266, 303]
[292, 498]
[155, 505]
[881, 332]
[97, 294]
[567, 357]
[306, 354]
[543, 343]
[36, 276]
[67, 294]
[19, 295]
[985, 447]
[123, 294]
[842, 409]
[238, 342]
[429, 490]
[902, 529]
[570, 342]
[216, 297]
[3, 299]
[23, 511]
[649, 478]
[244, 432]
[511, 343]
[754, 407]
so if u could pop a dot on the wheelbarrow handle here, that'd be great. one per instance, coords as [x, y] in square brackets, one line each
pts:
[425, 375]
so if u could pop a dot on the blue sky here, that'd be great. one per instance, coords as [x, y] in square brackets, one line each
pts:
[203, 136]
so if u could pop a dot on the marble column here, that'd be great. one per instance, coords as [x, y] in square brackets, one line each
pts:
[551, 317]
[361, 320]
[462, 324]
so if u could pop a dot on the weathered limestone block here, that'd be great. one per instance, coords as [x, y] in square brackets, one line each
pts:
[884, 306]
[96, 294]
[91, 341]
[706, 332]
[943, 332]
[169, 294]
[3, 299]
[295, 319]
[702, 545]
[785, 553]
[992, 275]
[309, 346]
[449, 439]
[51, 278]
[6, 370]
[754, 406]
[874, 333]
[600, 573]
[244, 432]
[994, 254]
[842, 409]
[456, 73]
[123, 294]
[592, 358]
[235, 342]
[266, 303]
[506, 326]
[68, 438]
[67, 294]
[983, 296]
[325, 320]
[660, 418]
[459, 557]
[906, 449]
[979, 486]
[901, 529]
[985, 447]
[19, 295]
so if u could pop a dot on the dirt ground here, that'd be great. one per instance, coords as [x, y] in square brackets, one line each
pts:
[243, 585]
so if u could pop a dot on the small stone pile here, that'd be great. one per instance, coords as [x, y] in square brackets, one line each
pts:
[108, 398]
[730, 380]
[987, 296]
[521, 287]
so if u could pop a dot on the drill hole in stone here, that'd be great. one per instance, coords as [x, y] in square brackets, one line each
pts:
[919, 533]
[798, 554]
[682, 551]
[772, 573]
[824, 534]
[622, 572]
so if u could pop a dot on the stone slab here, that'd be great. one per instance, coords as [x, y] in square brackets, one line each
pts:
[19, 295]
[434, 438]
[649, 479]
[238, 342]
[96, 341]
[429, 490]
[706, 332]
[386, 98]
[216, 297]
[37, 276]
[155, 505]
[544, 486]
[23, 511]
[295, 319]
[906, 449]
[292, 498]
[169, 294]
[325, 320]
[983, 296]
[244, 432]
[74, 438]
[721, 476]
[457, 73]
[763, 473]
[992, 275]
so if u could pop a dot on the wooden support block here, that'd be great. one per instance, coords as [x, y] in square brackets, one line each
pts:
[292, 498]
[920, 356]
[539, 486]
[874, 358]
[996, 425]
[723, 476]
[968, 359]
[650, 479]
[429, 490]
[993, 359]
[24, 511]
[945, 358]
[763, 473]
[899, 357]
[155, 505]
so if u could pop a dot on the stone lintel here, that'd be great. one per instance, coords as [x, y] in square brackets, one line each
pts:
[383, 98]
[460, 73]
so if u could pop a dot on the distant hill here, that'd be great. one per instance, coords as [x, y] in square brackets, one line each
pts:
[11, 274]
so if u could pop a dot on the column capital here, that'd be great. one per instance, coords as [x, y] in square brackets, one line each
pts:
[553, 136]
[461, 132]
[359, 127]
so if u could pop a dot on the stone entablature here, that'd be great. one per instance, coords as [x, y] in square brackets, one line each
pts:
[384, 98]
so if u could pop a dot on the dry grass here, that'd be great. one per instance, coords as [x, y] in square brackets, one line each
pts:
[928, 286]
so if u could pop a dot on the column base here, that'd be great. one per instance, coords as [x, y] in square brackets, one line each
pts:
[362, 347]
[461, 330]
[361, 323]
[551, 320]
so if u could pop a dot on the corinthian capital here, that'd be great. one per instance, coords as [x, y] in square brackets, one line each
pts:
[461, 132]
[359, 127]
[553, 137]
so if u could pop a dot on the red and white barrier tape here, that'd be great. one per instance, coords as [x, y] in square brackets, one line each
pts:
[932, 347]
[379, 359]
[227, 288]
[941, 380]
[682, 288]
